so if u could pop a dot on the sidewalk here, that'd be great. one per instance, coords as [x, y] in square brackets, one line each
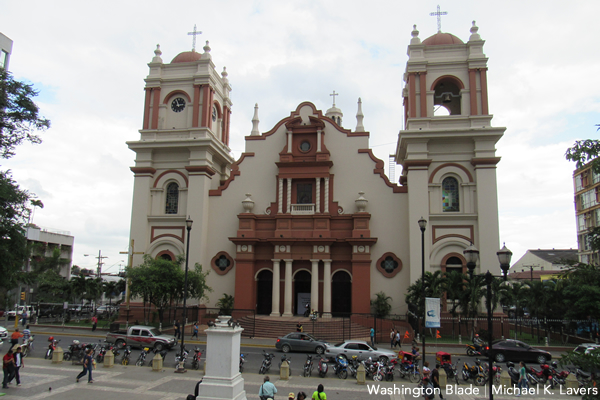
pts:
[43, 380]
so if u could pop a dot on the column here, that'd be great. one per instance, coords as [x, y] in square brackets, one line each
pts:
[289, 195]
[473, 91]
[318, 199]
[275, 292]
[326, 201]
[287, 304]
[280, 202]
[314, 285]
[327, 288]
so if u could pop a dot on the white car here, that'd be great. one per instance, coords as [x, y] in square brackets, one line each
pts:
[350, 348]
[3, 332]
[586, 348]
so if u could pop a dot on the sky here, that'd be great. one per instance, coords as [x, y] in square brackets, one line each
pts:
[89, 60]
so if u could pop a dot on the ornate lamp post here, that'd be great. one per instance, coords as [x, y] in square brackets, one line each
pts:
[472, 256]
[423, 226]
[188, 224]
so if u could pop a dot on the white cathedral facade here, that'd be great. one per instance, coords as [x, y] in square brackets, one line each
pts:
[307, 214]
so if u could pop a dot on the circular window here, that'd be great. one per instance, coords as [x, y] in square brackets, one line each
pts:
[222, 263]
[389, 265]
[305, 146]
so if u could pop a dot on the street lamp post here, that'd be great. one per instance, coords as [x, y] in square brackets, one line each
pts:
[423, 226]
[188, 224]
[472, 256]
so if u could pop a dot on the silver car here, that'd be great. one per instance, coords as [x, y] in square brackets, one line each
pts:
[360, 349]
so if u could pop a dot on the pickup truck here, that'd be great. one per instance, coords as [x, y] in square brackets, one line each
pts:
[141, 336]
[30, 311]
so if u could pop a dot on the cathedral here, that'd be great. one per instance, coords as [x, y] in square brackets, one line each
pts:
[307, 215]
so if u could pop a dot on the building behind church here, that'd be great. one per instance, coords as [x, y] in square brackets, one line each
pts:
[307, 215]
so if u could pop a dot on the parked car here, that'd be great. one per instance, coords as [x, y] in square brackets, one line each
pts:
[358, 348]
[3, 332]
[586, 348]
[106, 310]
[297, 341]
[141, 336]
[30, 311]
[515, 350]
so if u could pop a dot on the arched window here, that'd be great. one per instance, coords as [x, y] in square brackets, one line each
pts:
[172, 202]
[450, 201]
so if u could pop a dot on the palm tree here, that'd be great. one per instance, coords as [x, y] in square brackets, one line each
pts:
[381, 305]
[109, 289]
[453, 286]
[471, 298]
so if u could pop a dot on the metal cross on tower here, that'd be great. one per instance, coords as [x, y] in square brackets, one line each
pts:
[334, 94]
[196, 33]
[439, 14]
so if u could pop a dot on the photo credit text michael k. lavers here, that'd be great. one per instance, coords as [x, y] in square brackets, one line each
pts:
[475, 391]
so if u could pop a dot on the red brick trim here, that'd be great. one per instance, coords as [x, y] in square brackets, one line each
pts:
[235, 171]
[217, 269]
[485, 161]
[468, 239]
[459, 83]
[200, 168]
[457, 255]
[416, 163]
[379, 170]
[383, 271]
[153, 238]
[168, 252]
[446, 165]
[175, 93]
[169, 171]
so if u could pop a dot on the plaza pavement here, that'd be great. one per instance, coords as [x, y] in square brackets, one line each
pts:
[43, 380]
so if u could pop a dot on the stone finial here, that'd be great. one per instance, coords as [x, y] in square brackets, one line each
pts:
[255, 121]
[248, 203]
[206, 54]
[415, 36]
[359, 118]
[361, 202]
[157, 54]
[474, 34]
[224, 74]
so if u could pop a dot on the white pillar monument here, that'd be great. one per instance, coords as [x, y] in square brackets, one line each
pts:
[222, 379]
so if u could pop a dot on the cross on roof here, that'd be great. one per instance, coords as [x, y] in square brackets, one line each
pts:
[194, 34]
[439, 14]
[334, 94]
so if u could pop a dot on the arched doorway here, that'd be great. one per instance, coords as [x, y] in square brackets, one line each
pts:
[302, 290]
[264, 292]
[341, 293]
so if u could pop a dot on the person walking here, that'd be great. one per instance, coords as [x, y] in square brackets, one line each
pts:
[435, 379]
[18, 359]
[14, 338]
[372, 337]
[87, 366]
[398, 342]
[8, 366]
[94, 322]
[26, 334]
[522, 384]
[301, 396]
[195, 330]
[24, 317]
[320, 393]
[177, 328]
[392, 338]
[267, 389]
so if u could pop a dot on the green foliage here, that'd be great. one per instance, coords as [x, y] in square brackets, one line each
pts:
[584, 151]
[53, 288]
[587, 362]
[581, 293]
[381, 305]
[225, 304]
[434, 287]
[161, 282]
[19, 115]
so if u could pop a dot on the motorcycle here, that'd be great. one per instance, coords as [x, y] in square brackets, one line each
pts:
[242, 361]
[584, 378]
[126, 355]
[475, 373]
[289, 361]
[266, 364]
[496, 370]
[559, 377]
[101, 354]
[451, 371]
[51, 347]
[180, 359]
[323, 367]
[142, 358]
[472, 350]
[542, 374]
[513, 373]
[163, 353]
[340, 367]
[389, 371]
[27, 346]
[308, 366]
[411, 370]
[353, 364]
[196, 358]
[379, 372]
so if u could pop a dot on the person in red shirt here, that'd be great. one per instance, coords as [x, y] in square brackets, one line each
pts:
[14, 338]
[8, 367]
[94, 323]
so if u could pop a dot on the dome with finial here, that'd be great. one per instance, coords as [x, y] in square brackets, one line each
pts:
[442, 39]
[187, 56]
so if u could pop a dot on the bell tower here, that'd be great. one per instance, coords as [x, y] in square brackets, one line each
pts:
[182, 152]
[447, 149]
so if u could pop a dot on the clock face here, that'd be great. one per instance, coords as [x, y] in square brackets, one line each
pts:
[178, 104]
[214, 114]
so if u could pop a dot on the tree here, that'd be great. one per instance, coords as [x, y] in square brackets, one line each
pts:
[53, 288]
[19, 115]
[453, 286]
[584, 151]
[381, 305]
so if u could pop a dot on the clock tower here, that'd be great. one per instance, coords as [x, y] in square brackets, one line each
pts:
[182, 152]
